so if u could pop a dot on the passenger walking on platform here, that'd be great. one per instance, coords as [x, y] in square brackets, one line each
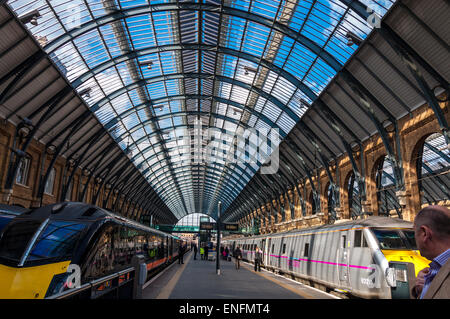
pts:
[258, 259]
[237, 254]
[202, 252]
[432, 234]
[195, 251]
[227, 254]
[181, 250]
[206, 252]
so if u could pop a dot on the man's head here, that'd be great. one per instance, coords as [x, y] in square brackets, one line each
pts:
[432, 231]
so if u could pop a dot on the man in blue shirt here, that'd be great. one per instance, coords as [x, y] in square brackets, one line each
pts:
[432, 234]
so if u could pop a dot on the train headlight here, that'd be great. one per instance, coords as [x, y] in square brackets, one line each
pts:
[391, 277]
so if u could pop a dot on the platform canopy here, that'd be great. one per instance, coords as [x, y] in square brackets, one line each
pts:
[151, 71]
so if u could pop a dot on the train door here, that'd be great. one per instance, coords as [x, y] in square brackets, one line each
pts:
[263, 249]
[268, 250]
[170, 248]
[343, 260]
[166, 251]
[280, 252]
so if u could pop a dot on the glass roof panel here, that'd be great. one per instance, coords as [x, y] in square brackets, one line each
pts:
[233, 66]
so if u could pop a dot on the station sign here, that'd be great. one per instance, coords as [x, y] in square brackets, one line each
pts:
[230, 226]
[207, 226]
[233, 227]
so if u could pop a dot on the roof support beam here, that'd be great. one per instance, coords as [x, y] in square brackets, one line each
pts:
[203, 7]
[412, 60]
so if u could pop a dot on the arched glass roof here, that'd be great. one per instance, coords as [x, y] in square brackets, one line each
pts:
[149, 70]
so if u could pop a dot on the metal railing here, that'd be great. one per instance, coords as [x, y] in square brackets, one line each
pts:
[119, 285]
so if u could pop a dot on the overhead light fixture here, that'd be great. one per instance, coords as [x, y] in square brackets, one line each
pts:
[304, 104]
[236, 111]
[148, 64]
[24, 131]
[86, 92]
[353, 39]
[160, 107]
[30, 17]
[51, 149]
[248, 69]
[71, 162]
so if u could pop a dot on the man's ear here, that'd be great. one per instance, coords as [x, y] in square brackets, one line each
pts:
[427, 232]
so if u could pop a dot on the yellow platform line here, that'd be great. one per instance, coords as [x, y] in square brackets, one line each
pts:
[167, 290]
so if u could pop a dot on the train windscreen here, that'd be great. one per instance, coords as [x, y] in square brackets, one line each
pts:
[15, 239]
[57, 240]
[5, 220]
[389, 239]
[409, 235]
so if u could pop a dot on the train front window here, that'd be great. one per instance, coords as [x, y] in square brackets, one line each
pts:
[389, 239]
[58, 240]
[16, 238]
[409, 235]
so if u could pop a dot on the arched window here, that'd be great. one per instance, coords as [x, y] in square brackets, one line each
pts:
[313, 203]
[193, 220]
[23, 170]
[69, 191]
[50, 182]
[433, 167]
[331, 204]
[354, 197]
[385, 180]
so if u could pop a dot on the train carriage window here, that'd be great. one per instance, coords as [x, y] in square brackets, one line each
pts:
[58, 239]
[357, 240]
[360, 240]
[100, 259]
[284, 248]
[273, 248]
[306, 250]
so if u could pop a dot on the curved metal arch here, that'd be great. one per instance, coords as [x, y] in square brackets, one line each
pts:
[185, 185]
[236, 147]
[200, 47]
[211, 172]
[250, 197]
[235, 179]
[185, 113]
[268, 177]
[148, 9]
[177, 76]
[169, 182]
[175, 127]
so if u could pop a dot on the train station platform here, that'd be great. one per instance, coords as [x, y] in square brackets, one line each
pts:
[197, 279]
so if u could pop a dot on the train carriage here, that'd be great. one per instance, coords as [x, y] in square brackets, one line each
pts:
[352, 257]
[37, 247]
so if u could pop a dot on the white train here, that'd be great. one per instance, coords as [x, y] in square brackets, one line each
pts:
[369, 258]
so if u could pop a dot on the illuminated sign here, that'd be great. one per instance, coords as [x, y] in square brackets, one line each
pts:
[230, 227]
[207, 226]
